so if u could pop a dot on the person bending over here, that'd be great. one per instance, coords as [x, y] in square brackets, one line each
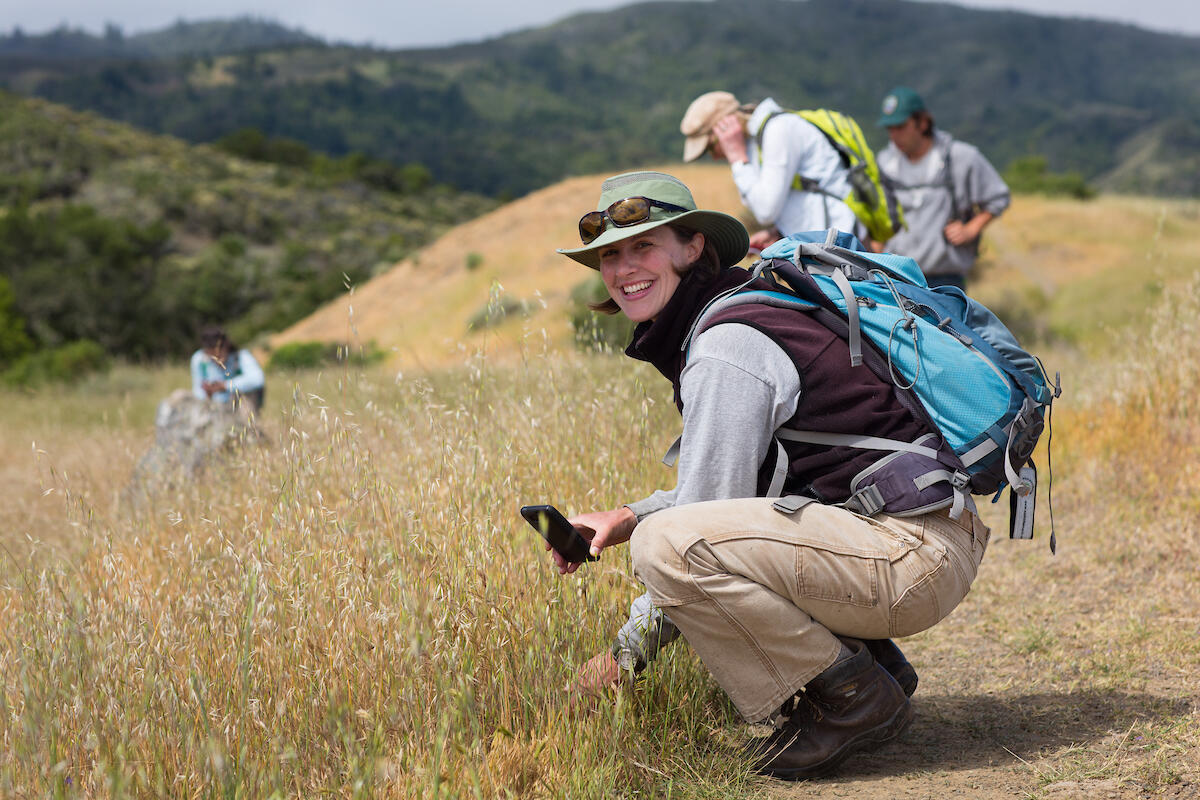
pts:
[788, 174]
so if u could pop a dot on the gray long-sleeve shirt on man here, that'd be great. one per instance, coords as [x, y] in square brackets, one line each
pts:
[952, 180]
[735, 379]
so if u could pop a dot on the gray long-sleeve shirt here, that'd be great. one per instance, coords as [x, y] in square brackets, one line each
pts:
[738, 387]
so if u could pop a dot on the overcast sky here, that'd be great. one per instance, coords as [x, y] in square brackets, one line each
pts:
[409, 23]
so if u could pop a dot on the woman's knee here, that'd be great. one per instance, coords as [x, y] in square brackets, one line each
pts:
[657, 551]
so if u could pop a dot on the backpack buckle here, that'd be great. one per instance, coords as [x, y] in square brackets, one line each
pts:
[791, 504]
[867, 501]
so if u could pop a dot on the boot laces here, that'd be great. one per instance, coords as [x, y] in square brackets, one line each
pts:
[798, 709]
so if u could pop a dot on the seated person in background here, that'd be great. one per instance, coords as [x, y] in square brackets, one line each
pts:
[226, 373]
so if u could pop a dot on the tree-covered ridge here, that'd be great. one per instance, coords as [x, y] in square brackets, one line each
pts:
[133, 241]
[603, 91]
[211, 37]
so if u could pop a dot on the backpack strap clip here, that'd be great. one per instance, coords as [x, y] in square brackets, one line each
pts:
[1021, 506]
[867, 501]
[961, 482]
[791, 504]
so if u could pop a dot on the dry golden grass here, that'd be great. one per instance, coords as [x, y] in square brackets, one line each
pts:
[1076, 271]
[356, 609]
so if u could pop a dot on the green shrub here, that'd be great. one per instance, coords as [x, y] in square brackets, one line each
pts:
[253, 144]
[64, 364]
[474, 261]
[312, 355]
[303, 355]
[496, 311]
[1031, 175]
[76, 275]
[14, 341]
[593, 330]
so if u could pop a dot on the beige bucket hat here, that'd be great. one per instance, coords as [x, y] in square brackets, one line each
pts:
[699, 119]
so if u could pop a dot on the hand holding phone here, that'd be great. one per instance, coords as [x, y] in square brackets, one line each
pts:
[558, 533]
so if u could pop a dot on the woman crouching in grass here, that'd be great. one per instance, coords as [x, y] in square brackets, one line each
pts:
[787, 603]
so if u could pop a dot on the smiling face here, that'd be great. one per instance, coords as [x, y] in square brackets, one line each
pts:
[641, 273]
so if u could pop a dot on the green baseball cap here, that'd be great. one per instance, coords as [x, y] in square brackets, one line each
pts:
[724, 232]
[900, 104]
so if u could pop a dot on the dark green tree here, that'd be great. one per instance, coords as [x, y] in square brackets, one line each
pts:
[14, 341]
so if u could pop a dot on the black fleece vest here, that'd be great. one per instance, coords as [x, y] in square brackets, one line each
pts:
[834, 397]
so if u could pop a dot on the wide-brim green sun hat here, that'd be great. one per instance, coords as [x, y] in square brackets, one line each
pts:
[724, 232]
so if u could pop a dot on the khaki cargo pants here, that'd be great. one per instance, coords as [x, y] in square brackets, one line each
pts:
[759, 594]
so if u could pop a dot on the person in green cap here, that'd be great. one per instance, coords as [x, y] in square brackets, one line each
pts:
[785, 599]
[948, 190]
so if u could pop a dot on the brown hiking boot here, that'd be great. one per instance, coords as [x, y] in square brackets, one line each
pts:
[851, 707]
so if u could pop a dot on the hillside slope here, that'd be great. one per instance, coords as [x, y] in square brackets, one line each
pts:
[182, 38]
[420, 309]
[516, 113]
[135, 240]
[1051, 267]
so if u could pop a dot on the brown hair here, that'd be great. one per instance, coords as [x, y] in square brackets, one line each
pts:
[706, 265]
[214, 337]
[924, 122]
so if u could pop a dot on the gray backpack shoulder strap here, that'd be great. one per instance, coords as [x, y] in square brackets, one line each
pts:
[948, 171]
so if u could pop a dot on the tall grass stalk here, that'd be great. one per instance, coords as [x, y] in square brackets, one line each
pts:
[355, 608]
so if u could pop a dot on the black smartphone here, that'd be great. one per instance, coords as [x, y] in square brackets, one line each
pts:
[561, 534]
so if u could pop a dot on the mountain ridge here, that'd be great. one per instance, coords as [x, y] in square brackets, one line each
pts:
[181, 38]
[134, 241]
[599, 90]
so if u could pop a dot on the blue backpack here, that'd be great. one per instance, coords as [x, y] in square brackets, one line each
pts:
[953, 363]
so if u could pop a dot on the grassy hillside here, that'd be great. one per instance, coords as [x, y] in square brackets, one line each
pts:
[1051, 267]
[520, 112]
[356, 609]
[421, 309]
[134, 240]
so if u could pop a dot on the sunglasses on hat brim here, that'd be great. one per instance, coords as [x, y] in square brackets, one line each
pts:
[622, 214]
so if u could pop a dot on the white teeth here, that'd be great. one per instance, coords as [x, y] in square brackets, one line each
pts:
[634, 288]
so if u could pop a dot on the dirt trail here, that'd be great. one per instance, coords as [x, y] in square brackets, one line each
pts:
[1059, 677]
[989, 746]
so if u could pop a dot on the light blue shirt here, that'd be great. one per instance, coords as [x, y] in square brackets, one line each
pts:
[241, 375]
